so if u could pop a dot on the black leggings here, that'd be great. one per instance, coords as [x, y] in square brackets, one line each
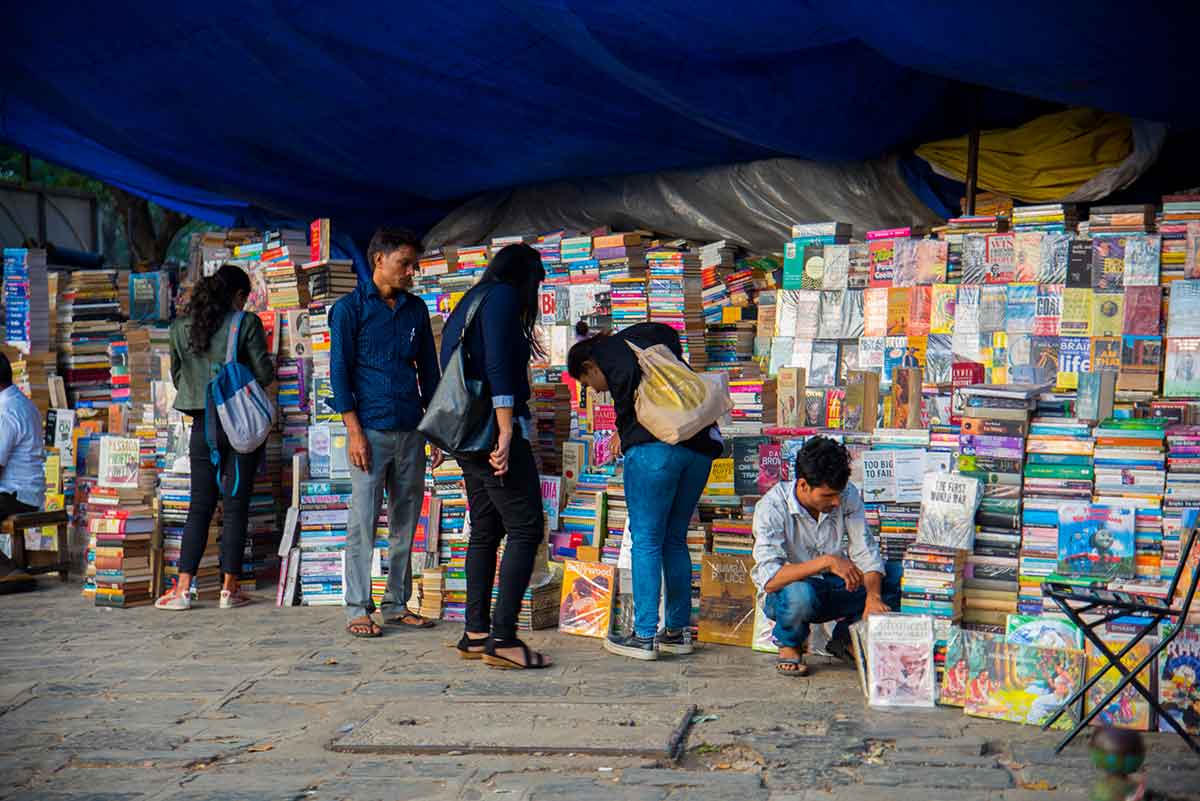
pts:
[206, 494]
[501, 505]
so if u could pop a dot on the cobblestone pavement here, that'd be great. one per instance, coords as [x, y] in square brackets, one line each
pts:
[241, 705]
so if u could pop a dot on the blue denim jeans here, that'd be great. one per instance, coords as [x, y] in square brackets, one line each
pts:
[663, 483]
[818, 599]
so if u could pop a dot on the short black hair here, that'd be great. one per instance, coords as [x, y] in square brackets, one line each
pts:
[823, 462]
[386, 240]
[5, 371]
[580, 354]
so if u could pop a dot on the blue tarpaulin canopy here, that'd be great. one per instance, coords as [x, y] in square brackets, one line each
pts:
[397, 112]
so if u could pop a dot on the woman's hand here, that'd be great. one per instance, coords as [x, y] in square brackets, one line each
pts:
[499, 456]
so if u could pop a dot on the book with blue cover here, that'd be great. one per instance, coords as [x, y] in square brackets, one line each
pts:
[1096, 540]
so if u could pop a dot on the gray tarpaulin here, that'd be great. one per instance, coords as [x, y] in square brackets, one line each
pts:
[753, 204]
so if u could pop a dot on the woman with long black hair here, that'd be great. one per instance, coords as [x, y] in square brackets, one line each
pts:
[198, 348]
[503, 489]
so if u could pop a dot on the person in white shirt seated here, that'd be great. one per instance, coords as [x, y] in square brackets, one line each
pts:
[22, 456]
[814, 559]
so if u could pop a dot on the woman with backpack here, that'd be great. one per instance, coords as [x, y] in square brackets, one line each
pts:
[199, 346]
[503, 488]
[663, 484]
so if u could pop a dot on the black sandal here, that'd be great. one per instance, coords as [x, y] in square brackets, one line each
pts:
[533, 659]
[356, 629]
[470, 647]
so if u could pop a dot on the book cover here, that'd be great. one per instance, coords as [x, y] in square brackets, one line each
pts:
[770, 466]
[1179, 681]
[904, 262]
[1019, 683]
[814, 407]
[789, 389]
[1106, 354]
[808, 314]
[1075, 356]
[1129, 710]
[861, 401]
[834, 399]
[1045, 358]
[1108, 314]
[813, 276]
[1191, 252]
[900, 660]
[1079, 264]
[585, 606]
[793, 264]
[974, 259]
[823, 364]
[1042, 631]
[551, 499]
[939, 356]
[879, 477]
[933, 258]
[897, 311]
[727, 599]
[1076, 312]
[1108, 263]
[1095, 540]
[941, 314]
[1142, 310]
[1027, 255]
[120, 462]
[1047, 314]
[859, 273]
[851, 315]
[1055, 252]
[745, 464]
[1183, 313]
[881, 254]
[837, 267]
[953, 689]
[787, 305]
[895, 355]
[1000, 257]
[1181, 378]
[1021, 309]
[993, 308]
[871, 352]
[920, 310]
[1141, 361]
[875, 312]
[967, 331]
[948, 505]
[1094, 398]
[1142, 257]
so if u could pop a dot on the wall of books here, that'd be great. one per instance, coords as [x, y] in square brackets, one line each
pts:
[1042, 364]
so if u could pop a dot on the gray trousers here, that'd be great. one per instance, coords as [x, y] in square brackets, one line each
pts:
[397, 462]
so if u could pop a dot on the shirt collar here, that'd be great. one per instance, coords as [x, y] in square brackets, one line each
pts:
[369, 290]
[797, 508]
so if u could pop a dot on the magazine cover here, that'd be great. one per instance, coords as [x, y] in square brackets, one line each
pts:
[727, 599]
[1129, 710]
[1181, 378]
[948, 504]
[933, 256]
[1095, 540]
[587, 598]
[1019, 683]
[900, 660]
[953, 689]
[1179, 681]
[1043, 631]
[120, 459]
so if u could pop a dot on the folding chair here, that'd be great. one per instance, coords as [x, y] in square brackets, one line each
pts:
[1119, 604]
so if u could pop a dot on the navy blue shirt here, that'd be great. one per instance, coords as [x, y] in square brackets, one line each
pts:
[495, 346]
[383, 362]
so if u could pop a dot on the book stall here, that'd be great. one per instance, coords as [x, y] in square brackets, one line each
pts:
[1019, 390]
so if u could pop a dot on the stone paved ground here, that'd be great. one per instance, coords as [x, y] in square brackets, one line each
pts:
[240, 705]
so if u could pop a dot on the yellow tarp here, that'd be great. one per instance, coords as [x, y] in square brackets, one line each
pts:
[1043, 160]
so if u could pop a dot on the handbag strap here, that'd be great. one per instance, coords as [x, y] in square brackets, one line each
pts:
[477, 302]
[235, 326]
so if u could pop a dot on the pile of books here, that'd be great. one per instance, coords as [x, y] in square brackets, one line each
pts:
[932, 585]
[582, 518]
[629, 305]
[1182, 490]
[1048, 217]
[283, 252]
[674, 298]
[620, 255]
[804, 253]
[550, 406]
[26, 300]
[88, 322]
[122, 524]
[616, 514]
[1128, 219]
[754, 406]
[450, 493]
[330, 279]
[324, 517]
[1178, 211]
[549, 245]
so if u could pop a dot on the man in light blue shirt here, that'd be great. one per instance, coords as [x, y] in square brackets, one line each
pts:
[814, 559]
[22, 454]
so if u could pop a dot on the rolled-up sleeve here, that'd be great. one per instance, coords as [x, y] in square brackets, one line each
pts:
[499, 323]
[343, 336]
[863, 547]
[770, 532]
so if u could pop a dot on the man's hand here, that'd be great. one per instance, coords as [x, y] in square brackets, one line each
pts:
[616, 445]
[847, 571]
[875, 606]
[499, 456]
[436, 457]
[360, 450]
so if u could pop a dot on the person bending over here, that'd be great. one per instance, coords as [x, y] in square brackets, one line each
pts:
[814, 559]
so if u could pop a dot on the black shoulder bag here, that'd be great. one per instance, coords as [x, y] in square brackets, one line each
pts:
[460, 418]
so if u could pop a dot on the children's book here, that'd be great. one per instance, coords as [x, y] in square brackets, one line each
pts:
[586, 603]
[1019, 683]
[1043, 631]
[727, 600]
[1179, 681]
[1129, 710]
[953, 689]
[1095, 540]
[900, 660]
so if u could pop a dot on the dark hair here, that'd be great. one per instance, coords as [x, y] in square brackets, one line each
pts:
[580, 354]
[387, 240]
[211, 300]
[581, 328]
[823, 463]
[520, 266]
[5, 371]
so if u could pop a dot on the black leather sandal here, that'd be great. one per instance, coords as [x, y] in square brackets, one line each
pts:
[533, 659]
[470, 647]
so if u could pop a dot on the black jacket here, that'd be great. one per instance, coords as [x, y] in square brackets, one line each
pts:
[620, 366]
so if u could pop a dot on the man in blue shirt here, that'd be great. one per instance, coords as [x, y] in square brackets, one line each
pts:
[22, 463]
[384, 370]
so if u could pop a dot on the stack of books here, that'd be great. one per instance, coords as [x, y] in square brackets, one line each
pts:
[549, 245]
[122, 524]
[732, 535]
[1182, 490]
[324, 516]
[754, 406]
[1131, 470]
[283, 252]
[933, 585]
[730, 346]
[582, 518]
[716, 261]
[576, 255]
[450, 492]
[1048, 217]
[804, 253]
[550, 406]
[328, 280]
[1178, 211]
[1129, 219]
[88, 321]
[674, 298]
[616, 514]
[26, 300]
[620, 255]
[321, 394]
[629, 305]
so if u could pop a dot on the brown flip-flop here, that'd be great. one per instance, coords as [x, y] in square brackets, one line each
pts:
[791, 667]
[402, 620]
[372, 629]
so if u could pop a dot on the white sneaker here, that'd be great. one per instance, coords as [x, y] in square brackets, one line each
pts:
[174, 602]
[230, 600]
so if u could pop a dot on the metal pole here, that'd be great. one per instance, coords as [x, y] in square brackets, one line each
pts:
[972, 148]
